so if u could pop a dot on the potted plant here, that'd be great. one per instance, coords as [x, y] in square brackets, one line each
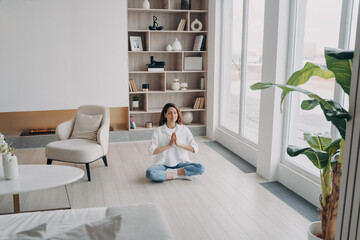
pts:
[324, 152]
[135, 102]
[9, 161]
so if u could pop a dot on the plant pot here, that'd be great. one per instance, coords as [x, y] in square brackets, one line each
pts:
[11, 169]
[135, 104]
[312, 229]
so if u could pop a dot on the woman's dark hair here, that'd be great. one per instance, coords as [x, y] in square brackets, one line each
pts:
[163, 120]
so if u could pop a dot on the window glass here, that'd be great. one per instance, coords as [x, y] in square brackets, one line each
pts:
[231, 94]
[321, 30]
[253, 69]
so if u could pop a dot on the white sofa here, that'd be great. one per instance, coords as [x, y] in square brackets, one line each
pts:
[138, 221]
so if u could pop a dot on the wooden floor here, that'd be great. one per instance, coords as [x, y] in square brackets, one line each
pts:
[223, 203]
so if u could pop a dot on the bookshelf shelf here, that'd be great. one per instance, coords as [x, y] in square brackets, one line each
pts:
[165, 31]
[169, 14]
[167, 52]
[140, 10]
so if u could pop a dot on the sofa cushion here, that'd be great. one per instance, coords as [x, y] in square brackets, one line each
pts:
[35, 233]
[107, 228]
[74, 150]
[86, 126]
[141, 221]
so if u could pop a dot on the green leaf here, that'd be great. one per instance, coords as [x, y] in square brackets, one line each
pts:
[303, 75]
[336, 114]
[317, 157]
[261, 85]
[288, 88]
[340, 63]
[334, 147]
[309, 104]
[317, 141]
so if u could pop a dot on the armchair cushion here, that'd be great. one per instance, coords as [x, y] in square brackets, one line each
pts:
[74, 150]
[86, 126]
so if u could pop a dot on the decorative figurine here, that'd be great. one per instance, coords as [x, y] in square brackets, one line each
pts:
[155, 66]
[155, 25]
[196, 25]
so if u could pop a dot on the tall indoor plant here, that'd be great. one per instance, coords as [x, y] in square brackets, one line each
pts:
[324, 152]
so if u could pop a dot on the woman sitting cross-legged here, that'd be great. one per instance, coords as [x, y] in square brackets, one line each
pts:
[170, 144]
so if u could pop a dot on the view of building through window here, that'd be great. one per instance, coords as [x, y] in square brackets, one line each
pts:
[254, 68]
[231, 97]
[250, 119]
[321, 30]
[315, 30]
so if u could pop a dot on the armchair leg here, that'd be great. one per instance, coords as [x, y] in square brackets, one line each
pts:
[88, 171]
[105, 160]
[49, 161]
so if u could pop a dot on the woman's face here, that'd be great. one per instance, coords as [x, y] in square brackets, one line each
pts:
[171, 115]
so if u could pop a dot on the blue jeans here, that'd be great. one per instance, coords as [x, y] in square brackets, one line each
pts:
[158, 172]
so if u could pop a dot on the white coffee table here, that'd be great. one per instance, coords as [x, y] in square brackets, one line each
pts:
[37, 177]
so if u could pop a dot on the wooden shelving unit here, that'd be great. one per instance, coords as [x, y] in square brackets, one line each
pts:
[168, 13]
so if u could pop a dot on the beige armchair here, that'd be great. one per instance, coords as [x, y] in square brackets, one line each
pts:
[83, 139]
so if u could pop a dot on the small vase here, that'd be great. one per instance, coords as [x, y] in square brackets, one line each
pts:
[176, 46]
[146, 4]
[169, 48]
[186, 4]
[183, 86]
[196, 25]
[11, 168]
[175, 84]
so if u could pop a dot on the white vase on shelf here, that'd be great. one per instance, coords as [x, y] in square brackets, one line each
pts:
[146, 4]
[175, 84]
[169, 48]
[196, 25]
[187, 118]
[11, 168]
[176, 45]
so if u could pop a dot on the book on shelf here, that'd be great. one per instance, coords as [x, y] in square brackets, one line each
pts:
[181, 24]
[202, 83]
[155, 69]
[203, 44]
[202, 103]
[199, 103]
[198, 43]
[132, 85]
[196, 103]
[132, 123]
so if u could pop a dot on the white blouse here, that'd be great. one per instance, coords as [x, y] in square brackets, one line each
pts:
[175, 155]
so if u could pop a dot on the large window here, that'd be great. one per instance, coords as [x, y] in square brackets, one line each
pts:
[315, 30]
[232, 27]
[242, 54]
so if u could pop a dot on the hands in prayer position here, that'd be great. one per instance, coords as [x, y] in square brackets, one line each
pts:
[173, 140]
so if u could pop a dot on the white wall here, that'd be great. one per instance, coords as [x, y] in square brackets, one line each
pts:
[59, 54]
